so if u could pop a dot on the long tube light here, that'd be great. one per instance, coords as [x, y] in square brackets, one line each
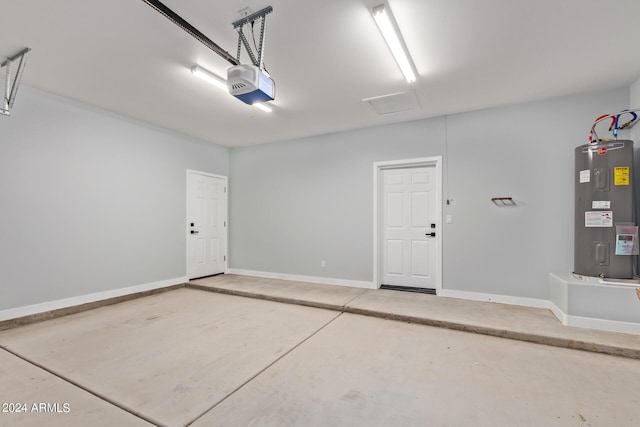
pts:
[209, 77]
[221, 83]
[264, 107]
[389, 29]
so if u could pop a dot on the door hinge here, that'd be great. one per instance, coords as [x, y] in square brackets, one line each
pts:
[225, 189]
[225, 223]
[225, 257]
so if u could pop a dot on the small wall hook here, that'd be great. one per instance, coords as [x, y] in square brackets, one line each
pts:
[503, 201]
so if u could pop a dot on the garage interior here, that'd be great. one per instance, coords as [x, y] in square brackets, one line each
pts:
[104, 316]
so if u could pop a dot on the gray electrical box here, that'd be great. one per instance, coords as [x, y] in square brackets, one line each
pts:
[604, 210]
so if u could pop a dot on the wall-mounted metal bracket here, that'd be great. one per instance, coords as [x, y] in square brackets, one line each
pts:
[503, 201]
[242, 40]
[11, 87]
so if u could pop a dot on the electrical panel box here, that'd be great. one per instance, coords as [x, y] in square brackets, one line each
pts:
[605, 232]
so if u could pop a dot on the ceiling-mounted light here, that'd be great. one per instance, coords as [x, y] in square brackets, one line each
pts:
[263, 107]
[208, 76]
[391, 34]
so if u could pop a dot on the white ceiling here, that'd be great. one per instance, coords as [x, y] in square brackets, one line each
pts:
[325, 57]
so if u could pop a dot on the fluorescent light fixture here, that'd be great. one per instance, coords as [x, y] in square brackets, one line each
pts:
[208, 76]
[390, 32]
[263, 107]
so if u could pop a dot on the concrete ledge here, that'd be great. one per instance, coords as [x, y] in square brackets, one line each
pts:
[47, 311]
[535, 325]
[563, 342]
[274, 298]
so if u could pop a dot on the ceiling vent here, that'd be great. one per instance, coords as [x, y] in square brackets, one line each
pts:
[394, 103]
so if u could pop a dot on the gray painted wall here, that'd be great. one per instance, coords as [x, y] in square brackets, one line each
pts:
[526, 152]
[91, 201]
[294, 203]
[635, 104]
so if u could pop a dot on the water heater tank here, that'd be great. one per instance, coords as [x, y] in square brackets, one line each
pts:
[603, 205]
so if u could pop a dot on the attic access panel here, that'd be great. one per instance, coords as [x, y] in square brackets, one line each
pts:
[394, 103]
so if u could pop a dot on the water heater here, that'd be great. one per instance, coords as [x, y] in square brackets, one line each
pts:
[605, 232]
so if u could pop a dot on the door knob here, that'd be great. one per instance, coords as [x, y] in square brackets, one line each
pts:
[432, 234]
[194, 232]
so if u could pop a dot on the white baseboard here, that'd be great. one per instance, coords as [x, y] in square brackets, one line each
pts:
[562, 317]
[604, 325]
[593, 323]
[563, 285]
[310, 279]
[502, 299]
[28, 310]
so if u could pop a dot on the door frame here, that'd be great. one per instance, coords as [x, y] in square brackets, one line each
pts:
[378, 167]
[226, 216]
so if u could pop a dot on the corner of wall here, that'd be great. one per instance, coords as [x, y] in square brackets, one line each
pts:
[634, 101]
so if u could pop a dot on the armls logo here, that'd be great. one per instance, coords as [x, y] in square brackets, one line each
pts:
[41, 407]
[51, 408]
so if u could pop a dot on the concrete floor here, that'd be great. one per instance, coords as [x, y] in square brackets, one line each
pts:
[189, 357]
[501, 320]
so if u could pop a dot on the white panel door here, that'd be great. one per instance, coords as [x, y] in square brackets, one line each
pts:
[206, 224]
[408, 210]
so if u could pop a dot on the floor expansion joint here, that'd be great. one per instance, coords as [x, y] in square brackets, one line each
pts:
[80, 386]
[264, 369]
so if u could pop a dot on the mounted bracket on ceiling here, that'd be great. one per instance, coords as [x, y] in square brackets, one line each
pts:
[242, 39]
[251, 84]
[11, 87]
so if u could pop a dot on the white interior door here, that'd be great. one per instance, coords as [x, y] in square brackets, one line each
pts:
[206, 224]
[409, 228]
